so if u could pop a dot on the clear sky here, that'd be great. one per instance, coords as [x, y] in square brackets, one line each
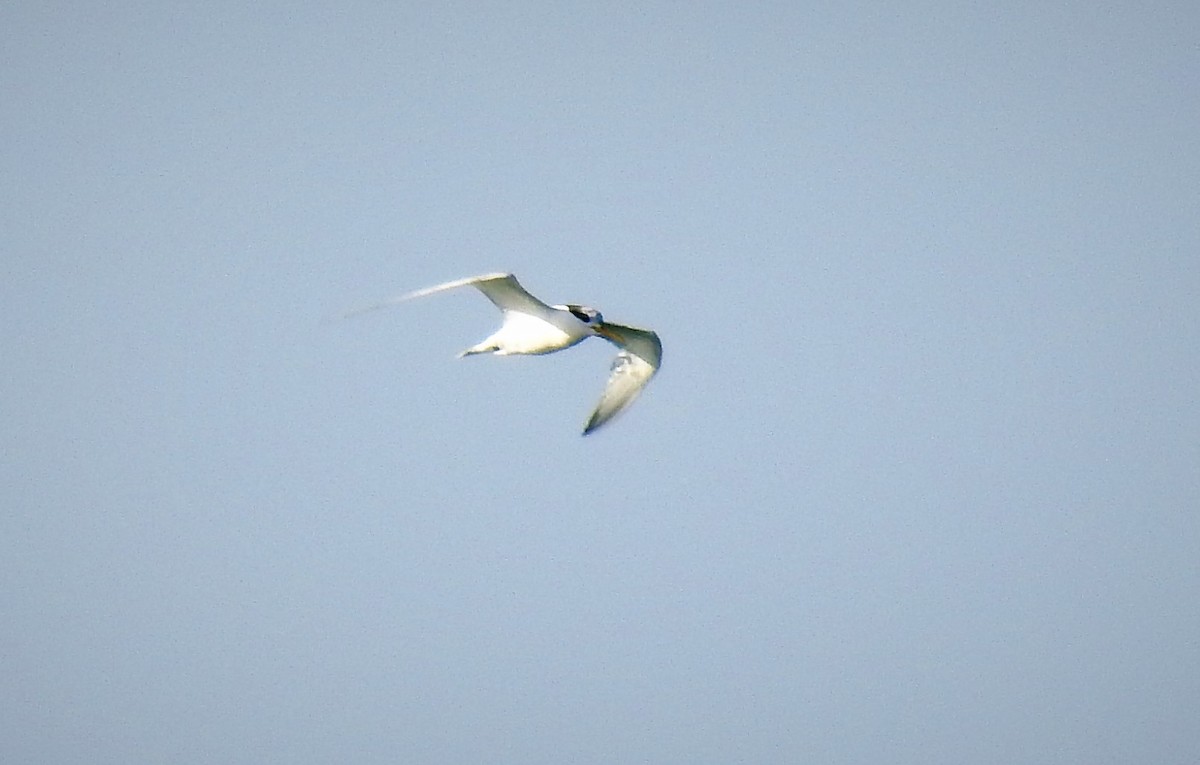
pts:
[919, 481]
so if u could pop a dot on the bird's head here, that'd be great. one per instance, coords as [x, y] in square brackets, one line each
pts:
[589, 316]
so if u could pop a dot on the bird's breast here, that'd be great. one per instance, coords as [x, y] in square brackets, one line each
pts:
[523, 333]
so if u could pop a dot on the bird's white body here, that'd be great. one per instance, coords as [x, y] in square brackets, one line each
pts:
[526, 333]
[531, 327]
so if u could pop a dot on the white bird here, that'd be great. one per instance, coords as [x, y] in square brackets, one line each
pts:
[530, 326]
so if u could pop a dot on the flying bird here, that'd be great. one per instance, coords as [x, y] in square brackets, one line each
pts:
[531, 327]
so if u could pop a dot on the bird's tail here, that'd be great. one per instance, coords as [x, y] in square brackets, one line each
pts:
[485, 347]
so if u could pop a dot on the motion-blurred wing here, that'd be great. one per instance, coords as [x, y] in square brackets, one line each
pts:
[505, 292]
[639, 359]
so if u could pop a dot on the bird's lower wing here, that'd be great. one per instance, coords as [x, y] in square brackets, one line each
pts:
[638, 361]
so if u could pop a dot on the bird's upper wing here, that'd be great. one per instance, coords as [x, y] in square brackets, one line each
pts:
[639, 359]
[502, 289]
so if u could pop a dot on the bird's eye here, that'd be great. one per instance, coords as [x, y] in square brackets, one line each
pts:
[584, 314]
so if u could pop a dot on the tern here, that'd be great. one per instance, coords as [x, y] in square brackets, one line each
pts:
[531, 327]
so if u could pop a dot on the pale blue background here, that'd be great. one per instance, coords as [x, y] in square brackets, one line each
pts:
[919, 481]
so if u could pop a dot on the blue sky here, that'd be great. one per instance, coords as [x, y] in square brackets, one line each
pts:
[917, 482]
